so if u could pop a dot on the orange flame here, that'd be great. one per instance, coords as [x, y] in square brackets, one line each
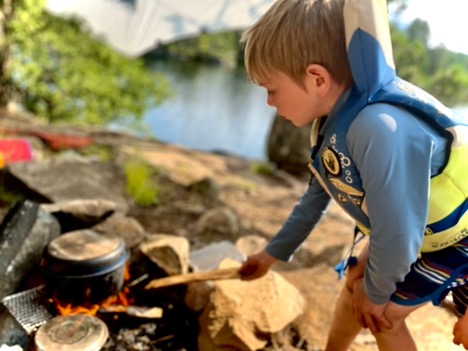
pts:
[122, 299]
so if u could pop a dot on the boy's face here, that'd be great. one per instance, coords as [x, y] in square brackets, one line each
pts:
[292, 102]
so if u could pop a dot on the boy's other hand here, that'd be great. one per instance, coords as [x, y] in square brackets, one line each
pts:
[256, 265]
[460, 331]
[368, 314]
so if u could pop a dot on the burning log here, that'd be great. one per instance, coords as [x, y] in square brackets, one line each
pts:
[134, 311]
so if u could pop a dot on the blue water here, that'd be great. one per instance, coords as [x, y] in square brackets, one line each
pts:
[214, 109]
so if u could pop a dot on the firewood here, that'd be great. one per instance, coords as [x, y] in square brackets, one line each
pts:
[224, 273]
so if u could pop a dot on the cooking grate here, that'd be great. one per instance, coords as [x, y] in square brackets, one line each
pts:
[28, 308]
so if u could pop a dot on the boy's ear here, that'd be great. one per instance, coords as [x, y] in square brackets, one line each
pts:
[319, 77]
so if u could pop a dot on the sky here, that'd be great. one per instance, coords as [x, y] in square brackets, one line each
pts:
[448, 21]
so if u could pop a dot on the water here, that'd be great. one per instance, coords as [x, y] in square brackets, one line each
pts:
[214, 109]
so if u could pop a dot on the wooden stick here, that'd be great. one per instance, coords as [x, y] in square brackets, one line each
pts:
[223, 273]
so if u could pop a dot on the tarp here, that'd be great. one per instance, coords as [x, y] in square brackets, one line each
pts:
[14, 150]
[134, 27]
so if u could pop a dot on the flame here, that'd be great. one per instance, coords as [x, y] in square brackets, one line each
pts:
[121, 299]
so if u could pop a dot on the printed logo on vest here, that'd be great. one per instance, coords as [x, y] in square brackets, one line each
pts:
[331, 162]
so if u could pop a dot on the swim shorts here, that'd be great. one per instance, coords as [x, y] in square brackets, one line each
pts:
[434, 275]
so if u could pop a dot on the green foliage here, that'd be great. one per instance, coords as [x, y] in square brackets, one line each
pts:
[62, 74]
[419, 31]
[433, 69]
[100, 152]
[439, 71]
[141, 183]
[263, 168]
[221, 47]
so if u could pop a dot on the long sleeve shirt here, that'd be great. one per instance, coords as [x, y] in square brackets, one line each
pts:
[396, 153]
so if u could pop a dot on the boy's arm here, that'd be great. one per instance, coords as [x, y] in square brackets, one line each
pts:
[303, 218]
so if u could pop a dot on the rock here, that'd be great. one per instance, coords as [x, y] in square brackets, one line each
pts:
[126, 227]
[81, 213]
[289, 146]
[70, 178]
[217, 224]
[91, 211]
[169, 252]
[197, 295]
[210, 256]
[24, 233]
[208, 188]
[250, 244]
[181, 168]
[242, 315]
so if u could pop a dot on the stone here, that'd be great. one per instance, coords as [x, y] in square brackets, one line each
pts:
[250, 244]
[210, 256]
[69, 178]
[289, 146]
[126, 227]
[181, 168]
[89, 210]
[168, 252]
[24, 233]
[217, 224]
[242, 315]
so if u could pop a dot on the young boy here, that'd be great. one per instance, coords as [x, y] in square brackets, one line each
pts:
[389, 154]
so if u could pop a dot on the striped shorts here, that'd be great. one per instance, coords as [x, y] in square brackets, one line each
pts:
[434, 275]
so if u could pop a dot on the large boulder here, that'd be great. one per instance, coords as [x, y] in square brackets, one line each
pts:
[242, 315]
[289, 146]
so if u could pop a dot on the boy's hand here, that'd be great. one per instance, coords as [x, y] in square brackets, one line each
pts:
[256, 265]
[460, 331]
[368, 314]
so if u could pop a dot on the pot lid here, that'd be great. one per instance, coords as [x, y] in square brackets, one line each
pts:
[83, 245]
[72, 333]
[84, 252]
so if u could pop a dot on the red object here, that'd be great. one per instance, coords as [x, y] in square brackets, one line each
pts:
[14, 150]
[63, 141]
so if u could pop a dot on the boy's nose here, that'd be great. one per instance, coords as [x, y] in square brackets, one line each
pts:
[270, 101]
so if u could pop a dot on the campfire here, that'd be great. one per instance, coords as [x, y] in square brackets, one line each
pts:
[89, 295]
[92, 291]
[152, 320]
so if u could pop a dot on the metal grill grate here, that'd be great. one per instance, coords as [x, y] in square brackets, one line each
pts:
[28, 308]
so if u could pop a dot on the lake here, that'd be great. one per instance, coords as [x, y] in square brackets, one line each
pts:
[214, 108]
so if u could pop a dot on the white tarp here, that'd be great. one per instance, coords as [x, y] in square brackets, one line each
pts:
[134, 27]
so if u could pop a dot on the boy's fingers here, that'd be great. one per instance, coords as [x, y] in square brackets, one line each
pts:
[372, 325]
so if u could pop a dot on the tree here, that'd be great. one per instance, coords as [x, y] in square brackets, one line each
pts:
[6, 84]
[59, 72]
[419, 31]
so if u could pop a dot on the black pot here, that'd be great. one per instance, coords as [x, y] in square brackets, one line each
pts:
[84, 267]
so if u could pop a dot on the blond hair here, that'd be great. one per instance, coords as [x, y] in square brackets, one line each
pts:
[295, 33]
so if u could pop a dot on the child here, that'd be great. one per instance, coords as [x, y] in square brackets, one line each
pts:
[389, 154]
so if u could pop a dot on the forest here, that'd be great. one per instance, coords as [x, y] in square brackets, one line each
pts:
[86, 82]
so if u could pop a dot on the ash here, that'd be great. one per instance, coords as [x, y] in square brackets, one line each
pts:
[145, 338]
[177, 330]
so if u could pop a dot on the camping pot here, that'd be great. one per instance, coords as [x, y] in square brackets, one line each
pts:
[83, 266]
